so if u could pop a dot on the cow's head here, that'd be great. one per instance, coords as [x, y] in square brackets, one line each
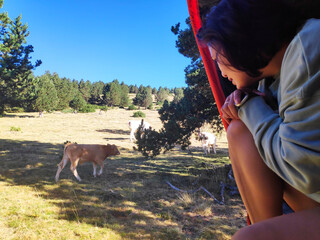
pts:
[203, 137]
[112, 150]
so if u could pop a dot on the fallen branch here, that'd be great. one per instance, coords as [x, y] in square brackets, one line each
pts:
[196, 190]
[222, 187]
[230, 175]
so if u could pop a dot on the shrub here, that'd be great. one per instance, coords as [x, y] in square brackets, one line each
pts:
[149, 143]
[139, 114]
[159, 104]
[132, 107]
[87, 108]
[150, 106]
[15, 129]
[103, 108]
[17, 110]
[14, 109]
[67, 110]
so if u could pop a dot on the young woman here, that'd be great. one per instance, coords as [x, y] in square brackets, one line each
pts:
[273, 133]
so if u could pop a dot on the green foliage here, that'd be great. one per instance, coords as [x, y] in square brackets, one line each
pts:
[15, 129]
[103, 108]
[150, 106]
[15, 67]
[186, 42]
[113, 95]
[178, 95]
[46, 94]
[162, 94]
[65, 91]
[154, 91]
[160, 104]
[78, 102]
[143, 97]
[97, 93]
[139, 114]
[67, 110]
[124, 98]
[85, 89]
[87, 108]
[148, 142]
[132, 107]
[133, 89]
[14, 109]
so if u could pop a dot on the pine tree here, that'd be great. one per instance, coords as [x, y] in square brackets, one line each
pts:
[154, 91]
[161, 95]
[15, 65]
[78, 102]
[46, 94]
[143, 97]
[85, 89]
[64, 90]
[124, 100]
[96, 93]
[112, 93]
[178, 95]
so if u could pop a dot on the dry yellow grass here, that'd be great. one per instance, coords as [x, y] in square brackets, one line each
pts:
[131, 200]
[107, 127]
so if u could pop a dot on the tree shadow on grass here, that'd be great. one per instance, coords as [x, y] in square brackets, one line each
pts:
[115, 138]
[114, 131]
[131, 197]
[19, 116]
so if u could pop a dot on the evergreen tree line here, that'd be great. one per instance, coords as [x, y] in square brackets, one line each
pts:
[20, 88]
[54, 93]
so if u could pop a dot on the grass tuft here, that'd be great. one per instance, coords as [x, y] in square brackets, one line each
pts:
[15, 129]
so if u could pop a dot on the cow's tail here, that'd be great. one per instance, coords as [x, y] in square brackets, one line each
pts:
[65, 157]
[63, 162]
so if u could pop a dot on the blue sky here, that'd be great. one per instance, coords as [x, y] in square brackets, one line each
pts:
[103, 40]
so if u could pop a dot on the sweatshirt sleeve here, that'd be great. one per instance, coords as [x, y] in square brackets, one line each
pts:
[289, 141]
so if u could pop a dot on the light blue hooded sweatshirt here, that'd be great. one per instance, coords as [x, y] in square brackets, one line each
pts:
[288, 140]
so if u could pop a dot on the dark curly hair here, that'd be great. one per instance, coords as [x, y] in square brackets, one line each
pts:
[248, 33]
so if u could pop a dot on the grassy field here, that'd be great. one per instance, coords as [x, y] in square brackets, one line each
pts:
[131, 200]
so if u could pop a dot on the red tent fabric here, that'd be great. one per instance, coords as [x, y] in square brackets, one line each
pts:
[206, 57]
[209, 65]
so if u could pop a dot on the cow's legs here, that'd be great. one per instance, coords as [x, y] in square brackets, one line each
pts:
[61, 165]
[94, 169]
[214, 148]
[132, 136]
[101, 169]
[204, 149]
[73, 169]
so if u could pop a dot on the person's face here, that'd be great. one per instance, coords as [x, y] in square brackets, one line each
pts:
[238, 78]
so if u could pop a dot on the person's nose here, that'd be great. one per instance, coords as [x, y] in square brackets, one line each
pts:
[224, 75]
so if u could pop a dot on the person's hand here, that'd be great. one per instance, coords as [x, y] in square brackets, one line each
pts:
[229, 110]
[237, 98]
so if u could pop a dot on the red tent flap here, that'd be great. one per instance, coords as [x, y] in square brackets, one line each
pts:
[209, 64]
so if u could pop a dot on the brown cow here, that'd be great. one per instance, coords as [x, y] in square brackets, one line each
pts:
[80, 153]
